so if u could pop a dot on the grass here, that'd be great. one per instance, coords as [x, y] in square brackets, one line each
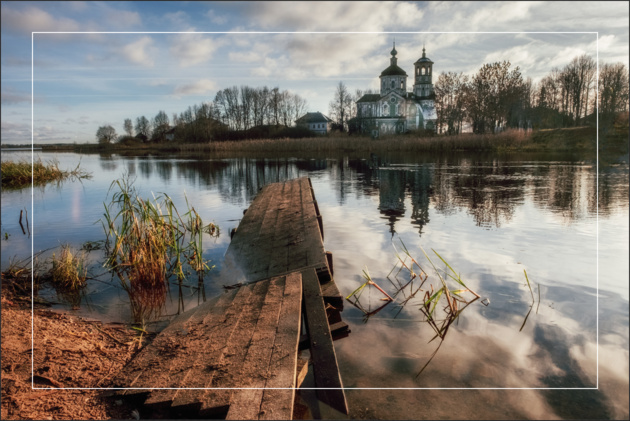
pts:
[69, 269]
[147, 245]
[68, 274]
[17, 174]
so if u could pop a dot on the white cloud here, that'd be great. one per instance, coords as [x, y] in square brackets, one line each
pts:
[197, 88]
[191, 49]
[179, 18]
[140, 51]
[215, 18]
[335, 16]
[33, 19]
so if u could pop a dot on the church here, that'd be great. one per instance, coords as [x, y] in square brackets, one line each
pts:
[395, 110]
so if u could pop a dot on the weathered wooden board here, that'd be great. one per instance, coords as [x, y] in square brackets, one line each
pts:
[272, 370]
[325, 368]
[279, 233]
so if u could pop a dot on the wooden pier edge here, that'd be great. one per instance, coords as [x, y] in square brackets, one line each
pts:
[236, 356]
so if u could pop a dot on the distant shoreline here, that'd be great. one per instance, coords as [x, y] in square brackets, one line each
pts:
[575, 139]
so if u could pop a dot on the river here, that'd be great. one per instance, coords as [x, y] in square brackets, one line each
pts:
[559, 350]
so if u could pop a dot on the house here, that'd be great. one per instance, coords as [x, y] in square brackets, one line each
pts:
[394, 110]
[316, 122]
[169, 135]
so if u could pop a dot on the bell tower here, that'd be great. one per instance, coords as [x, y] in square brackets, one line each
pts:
[423, 76]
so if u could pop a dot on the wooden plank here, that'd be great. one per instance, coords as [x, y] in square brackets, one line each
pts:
[163, 349]
[245, 403]
[325, 368]
[208, 331]
[232, 355]
[278, 403]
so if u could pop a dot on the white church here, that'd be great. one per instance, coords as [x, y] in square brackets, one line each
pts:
[395, 110]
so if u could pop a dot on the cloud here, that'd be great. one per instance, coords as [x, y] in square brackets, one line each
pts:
[335, 16]
[215, 18]
[191, 49]
[15, 132]
[197, 88]
[118, 18]
[140, 51]
[179, 18]
[11, 97]
[33, 19]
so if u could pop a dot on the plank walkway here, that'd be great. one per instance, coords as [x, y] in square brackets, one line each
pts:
[236, 356]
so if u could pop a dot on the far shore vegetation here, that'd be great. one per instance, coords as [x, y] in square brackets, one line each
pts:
[18, 174]
[574, 139]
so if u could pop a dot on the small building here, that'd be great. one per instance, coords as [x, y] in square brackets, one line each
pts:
[316, 122]
[169, 135]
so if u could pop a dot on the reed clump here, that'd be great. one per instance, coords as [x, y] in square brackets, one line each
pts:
[69, 269]
[18, 174]
[147, 243]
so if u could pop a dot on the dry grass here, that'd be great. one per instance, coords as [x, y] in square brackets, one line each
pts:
[22, 173]
[394, 143]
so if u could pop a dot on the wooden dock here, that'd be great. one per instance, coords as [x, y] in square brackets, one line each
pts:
[238, 356]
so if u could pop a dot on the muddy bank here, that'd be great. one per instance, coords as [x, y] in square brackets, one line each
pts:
[68, 352]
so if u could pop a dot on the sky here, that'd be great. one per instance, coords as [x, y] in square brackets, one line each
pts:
[68, 68]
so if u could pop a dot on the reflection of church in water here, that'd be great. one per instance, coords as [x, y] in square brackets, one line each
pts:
[393, 185]
[394, 110]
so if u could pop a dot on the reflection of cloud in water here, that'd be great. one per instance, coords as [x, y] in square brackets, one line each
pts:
[557, 349]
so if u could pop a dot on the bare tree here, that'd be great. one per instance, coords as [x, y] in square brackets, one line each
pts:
[613, 88]
[143, 127]
[105, 134]
[128, 126]
[340, 107]
[160, 125]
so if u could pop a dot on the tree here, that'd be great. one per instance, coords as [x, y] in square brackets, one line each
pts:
[160, 125]
[613, 88]
[492, 95]
[340, 107]
[449, 101]
[143, 127]
[105, 134]
[128, 126]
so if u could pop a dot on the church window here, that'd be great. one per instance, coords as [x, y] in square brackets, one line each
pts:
[393, 84]
[423, 71]
[402, 85]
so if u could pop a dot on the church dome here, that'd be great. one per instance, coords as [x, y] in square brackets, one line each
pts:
[393, 69]
[424, 58]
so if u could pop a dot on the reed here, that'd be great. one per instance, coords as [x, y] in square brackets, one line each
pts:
[23, 173]
[392, 143]
[147, 244]
[69, 269]
[68, 275]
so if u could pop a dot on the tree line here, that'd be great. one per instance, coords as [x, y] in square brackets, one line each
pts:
[498, 97]
[233, 110]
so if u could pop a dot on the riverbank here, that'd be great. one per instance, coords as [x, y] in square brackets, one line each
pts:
[576, 139]
[68, 352]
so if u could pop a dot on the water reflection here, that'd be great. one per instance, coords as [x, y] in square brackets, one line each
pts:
[489, 191]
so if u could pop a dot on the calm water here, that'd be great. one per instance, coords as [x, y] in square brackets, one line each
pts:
[564, 355]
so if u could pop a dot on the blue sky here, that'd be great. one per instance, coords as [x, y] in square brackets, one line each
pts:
[76, 82]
